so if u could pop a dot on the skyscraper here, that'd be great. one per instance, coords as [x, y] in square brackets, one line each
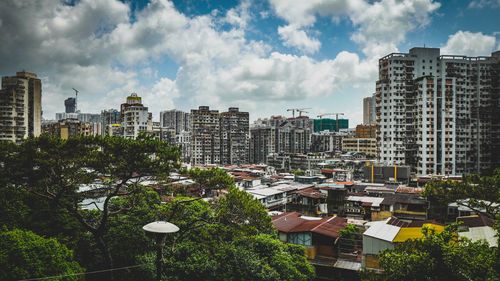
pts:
[369, 110]
[437, 112]
[20, 107]
[70, 105]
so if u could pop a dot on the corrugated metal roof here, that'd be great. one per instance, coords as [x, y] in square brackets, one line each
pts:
[481, 233]
[383, 231]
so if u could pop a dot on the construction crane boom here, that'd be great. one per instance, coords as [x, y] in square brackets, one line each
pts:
[76, 99]
[330, 114]
[299, 110]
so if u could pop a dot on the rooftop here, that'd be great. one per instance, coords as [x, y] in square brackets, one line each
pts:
[294, 222]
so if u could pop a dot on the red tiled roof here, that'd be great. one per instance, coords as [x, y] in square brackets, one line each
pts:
[292, 223]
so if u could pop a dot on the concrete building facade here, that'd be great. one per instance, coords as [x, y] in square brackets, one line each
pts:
[369, 116]
[135, 117]
[437, 112]
[235, 136]
[218, 138]
[205, 136]
[110, 119]
[368, 146]
[279, 134]
[20, 107]
[175, 119]
[65, 129]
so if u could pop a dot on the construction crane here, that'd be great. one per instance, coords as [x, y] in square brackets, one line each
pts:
[299, 110]
[330, 114]
[76, 99]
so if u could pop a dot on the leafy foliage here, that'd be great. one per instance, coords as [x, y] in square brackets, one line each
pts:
[23, 254]
[231, 238]
[442, 256]
[479, 193]
[228, 238]
[210, 179]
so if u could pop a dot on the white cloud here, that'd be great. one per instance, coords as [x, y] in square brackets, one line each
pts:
[480, 4]
[469, 43]
[96, 47]
[381, 25]
[295, 37]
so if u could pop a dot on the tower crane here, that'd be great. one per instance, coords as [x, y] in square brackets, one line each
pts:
[299, 110]
[330, 114]
[76, 99]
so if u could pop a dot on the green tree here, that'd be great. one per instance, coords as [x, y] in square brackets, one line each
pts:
[475, 192]
[438, 257]
[23, 255]
[56, 170]
[230, 238]
[210, 179]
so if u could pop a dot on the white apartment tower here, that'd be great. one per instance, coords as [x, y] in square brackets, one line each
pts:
[437, 112]
[135, 117]
[20, 107]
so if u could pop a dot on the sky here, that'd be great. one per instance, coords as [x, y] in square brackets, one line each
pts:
[263, 56]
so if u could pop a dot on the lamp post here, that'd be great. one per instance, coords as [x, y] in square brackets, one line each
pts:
[160, 229]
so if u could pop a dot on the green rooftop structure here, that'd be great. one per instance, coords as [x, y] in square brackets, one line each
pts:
[328, 124]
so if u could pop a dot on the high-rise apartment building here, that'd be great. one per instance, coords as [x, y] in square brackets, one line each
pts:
[218, 138]
[20, 107]
[135, 117]
[279, 134]
[437, 112]
[110, 121]
[369, 116]
[205, 136]
[325, 141]
[235, 136]
[174, 119]
[70, 105]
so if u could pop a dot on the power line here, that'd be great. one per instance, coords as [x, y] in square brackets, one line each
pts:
[83, 273]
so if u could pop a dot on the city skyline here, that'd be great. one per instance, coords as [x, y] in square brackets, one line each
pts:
[262, 57]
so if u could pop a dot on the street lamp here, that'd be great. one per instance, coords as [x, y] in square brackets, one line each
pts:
[160, 230]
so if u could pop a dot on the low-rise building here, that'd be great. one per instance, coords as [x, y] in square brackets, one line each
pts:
[70, 128]
[366, 131]
[383, 235]
[476, 228]
[368, 146]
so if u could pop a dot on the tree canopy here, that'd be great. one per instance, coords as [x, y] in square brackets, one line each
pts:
[475, 192]
[46, 181]
[23, 255]
[438, 257]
